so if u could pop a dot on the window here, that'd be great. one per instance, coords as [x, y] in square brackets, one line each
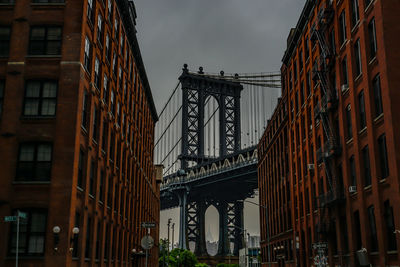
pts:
[5, 33]
[105, 89]
[367, 3]
[89, 11]
[357, 227]
[99, 29]
[308, 84]
[376, 84]
[6, 1]
[97, 79]
[357, 56]
[372, 39]
[353, 177]
[105, 135]
[81, 169]
[372, 225]
[87, 59]
[96, 117]
[390, 227]
[348, 121]
[45, 40]
[109, 7]
[355, 14]
[40, 98]
[301, 60]
[101, 186]
[34, 162]
[383, 157]
[114, 63]
[85, 104]
[88, 237]
[361, 106]
[92, 178]
[116, 29]
[2, 86]
[301, 93]
[307, 48]
[109, 192]
[366, 165]
[108, 50]
[112, 104]
[32, 234]
[345, 80]
[342, 27]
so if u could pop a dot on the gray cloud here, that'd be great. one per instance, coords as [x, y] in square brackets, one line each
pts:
[231, 35]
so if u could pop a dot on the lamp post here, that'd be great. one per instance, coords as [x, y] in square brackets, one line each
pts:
[173, 234]
[266, 219]
[245, 242]
[168, 224]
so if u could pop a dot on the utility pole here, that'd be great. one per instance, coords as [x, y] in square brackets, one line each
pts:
[168, 224]
[172, 243]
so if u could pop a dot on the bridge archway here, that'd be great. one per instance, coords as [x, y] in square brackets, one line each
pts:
[211, 127]
[212, 230]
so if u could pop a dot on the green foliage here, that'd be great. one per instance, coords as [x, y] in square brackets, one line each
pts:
[179, 258]
[201, 265]
[227, 265]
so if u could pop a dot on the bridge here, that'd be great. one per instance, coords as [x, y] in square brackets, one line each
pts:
[207, 141]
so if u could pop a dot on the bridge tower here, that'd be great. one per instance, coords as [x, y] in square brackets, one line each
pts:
[196, 88]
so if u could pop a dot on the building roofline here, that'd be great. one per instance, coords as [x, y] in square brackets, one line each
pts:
[295, 36]
[127, 11]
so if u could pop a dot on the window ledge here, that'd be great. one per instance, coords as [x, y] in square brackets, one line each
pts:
[363, 130]
[368, 188]
[43, 56]
[382, 181]
[348, 142]
[31, 182]
[372, 61]
[369, 7]
[380, 117]
[358, 78]
[36, 118]
[355, 27]
[392, 252]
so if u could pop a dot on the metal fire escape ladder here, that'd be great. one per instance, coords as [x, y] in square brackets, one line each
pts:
[324, 107]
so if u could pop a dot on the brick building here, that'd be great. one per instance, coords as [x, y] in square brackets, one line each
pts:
[76, 134]
[339, 79]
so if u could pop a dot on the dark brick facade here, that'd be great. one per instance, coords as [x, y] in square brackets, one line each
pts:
[76, 151]
[346, 191]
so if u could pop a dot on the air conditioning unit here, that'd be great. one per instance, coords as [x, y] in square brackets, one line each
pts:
[310, 167]
[345, 87]
[310, 127]
[352, 189]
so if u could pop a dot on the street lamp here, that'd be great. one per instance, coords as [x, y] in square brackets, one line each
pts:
[173, 234]
[245, 242]
[168, 224]
[56, 232]
[266, 219]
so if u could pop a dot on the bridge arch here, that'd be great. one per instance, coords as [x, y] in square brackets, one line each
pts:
[212, 229]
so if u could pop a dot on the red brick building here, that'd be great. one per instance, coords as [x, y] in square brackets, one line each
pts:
[76, 134]
[339, 78]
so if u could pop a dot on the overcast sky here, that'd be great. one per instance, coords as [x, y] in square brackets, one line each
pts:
[237, 36]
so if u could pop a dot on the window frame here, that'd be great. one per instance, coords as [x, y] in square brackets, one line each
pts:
[40, 99]
[5, 42]
[34, 163]
[45, 40]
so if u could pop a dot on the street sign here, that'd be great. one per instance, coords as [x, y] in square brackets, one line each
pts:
[148, 225]
[320, 245]
[22, 215]
[10, 218]
[147, 242]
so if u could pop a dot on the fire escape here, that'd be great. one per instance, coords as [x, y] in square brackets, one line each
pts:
[323, 111]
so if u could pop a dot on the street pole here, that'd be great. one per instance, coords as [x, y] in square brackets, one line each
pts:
[173, 227]
[16, 252]
[168, 224]
[266, 219]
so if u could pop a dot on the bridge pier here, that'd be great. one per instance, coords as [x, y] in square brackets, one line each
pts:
[201, 248]
[239, 224]
[183, 219]
[223, 243]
